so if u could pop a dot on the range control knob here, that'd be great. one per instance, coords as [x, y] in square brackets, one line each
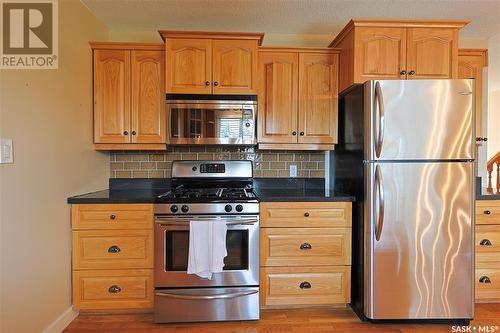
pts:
[228, 208]
[185, 208]
[239, 208]
[174, 209]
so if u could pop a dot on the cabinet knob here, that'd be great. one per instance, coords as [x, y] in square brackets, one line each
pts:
[114, 249]
[216, 83]
[403, 72]
[478, 139]
[485, 242]
[207, 83]
[305, 246]
[411, 72]
[301, 133]
[112, 217]
[134, 132]
[114, 289]
[125, 132]
[305, 285]
[294, 133]
[306, 214]
[484, 279]
[487, 212]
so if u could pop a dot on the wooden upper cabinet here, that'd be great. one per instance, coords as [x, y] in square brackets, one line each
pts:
[189, 66]
[234, 66]
[129, 88]
[298, 90]
[470, 66]
[278, 89]
[111, 96]
[397, 49]
[318, 104]
[432, 53]
[211, 62]
[381, 53]
[148, 98]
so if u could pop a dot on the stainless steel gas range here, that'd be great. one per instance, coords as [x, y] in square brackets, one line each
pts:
[207, 190]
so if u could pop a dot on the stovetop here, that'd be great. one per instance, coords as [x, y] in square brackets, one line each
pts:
[210, 194]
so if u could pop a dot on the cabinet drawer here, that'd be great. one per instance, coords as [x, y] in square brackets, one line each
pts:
[487, 243]
[118, 216]
[305, 246]
[487, 291]
[108, 289]
[305, 285]
[112, 249]
[305, 214]
[488, 212]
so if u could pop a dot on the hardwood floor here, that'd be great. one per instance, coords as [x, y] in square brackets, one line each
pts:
[292, 320]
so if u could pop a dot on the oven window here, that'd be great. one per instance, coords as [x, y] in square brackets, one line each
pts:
[177, 249]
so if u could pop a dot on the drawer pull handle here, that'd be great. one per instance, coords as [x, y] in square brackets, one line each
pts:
[485, 242]
[487, 212]
[114, 249]
[305, 246]
[114, 289]
[484, 279]
[306, 214]
[112, 216]
[305, 285]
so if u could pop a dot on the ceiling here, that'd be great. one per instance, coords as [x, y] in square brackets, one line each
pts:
[288, 16]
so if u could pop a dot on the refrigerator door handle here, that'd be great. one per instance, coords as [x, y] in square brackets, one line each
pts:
[379, 183]
[381, 119]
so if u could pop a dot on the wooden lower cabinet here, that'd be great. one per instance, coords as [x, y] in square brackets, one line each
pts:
[305, 253]
[487, 247]
[315, 285]
[112, 256]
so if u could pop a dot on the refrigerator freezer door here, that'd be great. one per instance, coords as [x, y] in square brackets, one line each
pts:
[419, 120]
[419, 248]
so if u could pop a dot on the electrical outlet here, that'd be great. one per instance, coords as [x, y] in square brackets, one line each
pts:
[293, 170]
[6, 154]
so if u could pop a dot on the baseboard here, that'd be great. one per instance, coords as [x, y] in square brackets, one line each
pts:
[58, 325]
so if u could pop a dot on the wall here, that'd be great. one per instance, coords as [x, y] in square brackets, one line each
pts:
[493, 97]
[48, 114]
[267, 164]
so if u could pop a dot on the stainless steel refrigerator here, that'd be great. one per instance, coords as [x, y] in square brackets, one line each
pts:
[407, 149]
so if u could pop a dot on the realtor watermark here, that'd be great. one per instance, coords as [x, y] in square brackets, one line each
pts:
[475, 329]
[29, 34]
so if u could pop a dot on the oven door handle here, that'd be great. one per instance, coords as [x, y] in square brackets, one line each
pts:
[208, 297]
[168, 223]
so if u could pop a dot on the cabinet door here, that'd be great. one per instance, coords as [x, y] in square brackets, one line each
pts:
[234, 66]
[318, 97]
[189, 66]
[470, 66]
[111, 96]
[380, 54]
[432, 53]
[278, 89]
[148, 104]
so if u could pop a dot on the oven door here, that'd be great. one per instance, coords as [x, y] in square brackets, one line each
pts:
[241, 266]
[211, 123]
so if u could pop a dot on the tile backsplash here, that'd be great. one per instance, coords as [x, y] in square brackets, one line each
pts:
[267, 163]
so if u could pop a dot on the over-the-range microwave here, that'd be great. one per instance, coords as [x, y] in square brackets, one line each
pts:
[211, 119]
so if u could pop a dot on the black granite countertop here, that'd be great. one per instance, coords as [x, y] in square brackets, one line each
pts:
[484, 194]
[267, 189]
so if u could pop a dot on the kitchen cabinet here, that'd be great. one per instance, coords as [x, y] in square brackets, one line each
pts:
[297, 98]
[128, 96]
[487, 246]
[397, 49]
[470, 66]
[211, 63]
[305, 253]
[112, 256]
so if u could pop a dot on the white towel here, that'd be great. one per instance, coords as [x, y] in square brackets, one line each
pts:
[207, 247]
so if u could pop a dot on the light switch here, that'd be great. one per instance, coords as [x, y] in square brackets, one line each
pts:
[6, 154]
[293, 170]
